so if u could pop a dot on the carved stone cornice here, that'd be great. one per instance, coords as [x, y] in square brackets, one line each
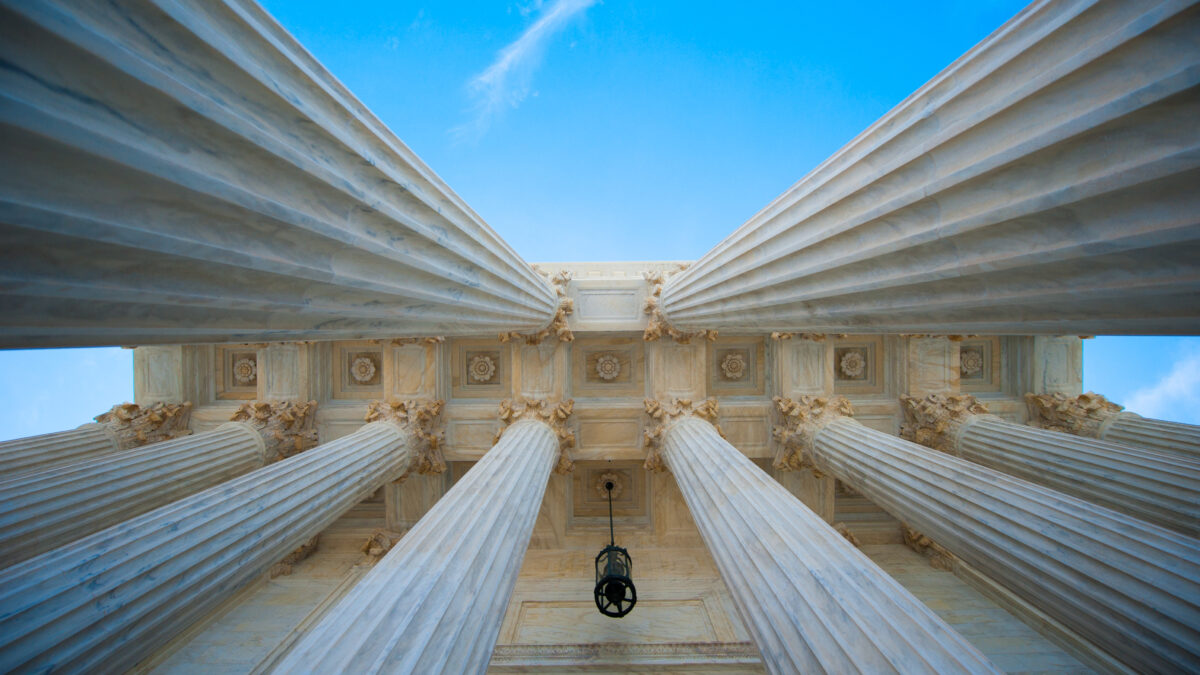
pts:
[1083, 415]
[434, 340]
[952, 338]
[939, 557]
[420, 418]
[935, 421]
[811, 337]
[285, 426]
[134, 426]
[558, 325]
[657, 325]
[553, 414]
[664, 415]
[800, 421]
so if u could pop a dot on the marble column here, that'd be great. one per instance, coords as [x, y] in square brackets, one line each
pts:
[139, 212]
[811, 600]
[996, 199]
[106, 601]
[1130, 587]
[48, 509]
[1156, 487]
[1094, 416]
[125, 426]
[435, 602]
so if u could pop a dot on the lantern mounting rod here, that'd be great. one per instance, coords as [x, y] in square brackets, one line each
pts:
[612, 540]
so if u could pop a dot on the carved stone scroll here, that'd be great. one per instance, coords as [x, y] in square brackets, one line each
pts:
[285, 426]
[663, 415]
[936, 420]
[554, 415]
[799, 422]
[135, 426]
[421, 419]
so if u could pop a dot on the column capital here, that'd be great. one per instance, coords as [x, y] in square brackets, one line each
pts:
[939, 557]
[1082, 415]
[800, 421]
[554, 415]
[419, 418]
[664, 415]
[657, 325]
[812, 337]
[558, 324]
[134, 426]
[937, 420]
[286, 427]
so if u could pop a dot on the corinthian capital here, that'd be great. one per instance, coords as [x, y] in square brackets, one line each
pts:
[935, 420]
[285, 426]
[657, 325]
[663, 415]
[1082, 415]
[799, 422]
[420, 418]
[558, 325]
[553, 414]
[135, 426]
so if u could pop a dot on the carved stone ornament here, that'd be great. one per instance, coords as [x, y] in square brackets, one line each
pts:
[733, 366]
[657, 325]
[245, 371]
[362, 369]
[555, 415]
[400, 342]
[970, 361]
[664, 415]
[853, 364]
[845, 532]
[799, 423]
[558, 325]
[952, 338]
[939, 557]
[379, 543]
[1082, 415]
[420, 418]
[481, 368]
[608, 367]
[284, 567]
[935, 420]
[617, 480]
[135, 426]
[286, 426]
[812, 337]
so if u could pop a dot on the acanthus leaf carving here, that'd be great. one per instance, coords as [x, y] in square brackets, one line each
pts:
[799, 422]
[420, 418]
[935, 420]
[428, 341]
[843, 530]
[284, 567]
[657, 325]
[1082, 415]
[134, 425]
[555, 415]
[559, 327]
[939, 557]
[812, 337]
[663, 415]
[287, 427]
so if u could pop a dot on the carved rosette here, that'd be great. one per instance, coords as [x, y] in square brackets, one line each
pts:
[420, 418]
[558, 325]
[554, 415]
[656, 324]
[663, 415]
[939, 557]
[1082, 415]
[936, 420]
[286, 427]
[799, 423]
[135, 426]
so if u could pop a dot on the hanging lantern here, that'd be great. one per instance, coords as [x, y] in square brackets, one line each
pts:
[615, 594]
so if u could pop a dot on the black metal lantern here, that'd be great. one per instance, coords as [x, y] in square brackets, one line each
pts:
[615, 594]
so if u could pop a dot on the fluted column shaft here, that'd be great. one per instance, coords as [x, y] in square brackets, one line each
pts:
[106, 601]
[996, 199]
[1145, 432]
[1093, 416]
[37, 453]
[1156, 487]
[1130, 587]
[138, 213]
[811, 600]
[48, 509]
[435, 602]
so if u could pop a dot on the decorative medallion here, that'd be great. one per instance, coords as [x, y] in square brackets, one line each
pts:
[245, 371]
[970, 362]
[481, 368]
[853, 365]
[733, 366]
[613, 477]
[362, 369]
[608, 367]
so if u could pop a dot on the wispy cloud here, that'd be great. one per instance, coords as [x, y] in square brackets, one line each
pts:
[505, 83]
[1176, 396]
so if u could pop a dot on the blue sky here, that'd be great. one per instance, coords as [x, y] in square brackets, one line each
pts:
[620, 130]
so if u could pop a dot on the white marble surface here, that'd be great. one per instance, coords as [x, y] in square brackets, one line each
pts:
[436, 601]
[1129, 586]
[102, 603]
[52, 508]
[1043, 183]
[192, 174]
[38, 453]
[811, 600]
[1161, 435]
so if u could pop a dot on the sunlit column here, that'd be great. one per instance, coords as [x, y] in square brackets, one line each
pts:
[1092, 415]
